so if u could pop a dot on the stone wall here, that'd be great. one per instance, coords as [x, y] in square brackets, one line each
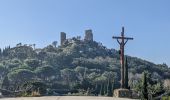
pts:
[123, 93]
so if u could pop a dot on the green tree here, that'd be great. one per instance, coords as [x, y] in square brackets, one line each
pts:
[41, 56]
[33, 63]
[19, 77]
[68, 75]
[45, 72]
[126, 74]
[3, 71]
[81, 71]
[34, 46]
[0, 53]
[55, 44]
[145, 85]
[101, 81]
[5, 83]
[19, 44]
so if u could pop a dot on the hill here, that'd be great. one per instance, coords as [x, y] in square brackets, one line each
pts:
[77, 67]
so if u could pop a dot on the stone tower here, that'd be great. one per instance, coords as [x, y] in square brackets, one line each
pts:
[88, 35]
[63, 37]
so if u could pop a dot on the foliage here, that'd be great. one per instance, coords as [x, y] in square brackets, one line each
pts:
[148, 86]
[33, 63]
[5, 83]
[78, 65]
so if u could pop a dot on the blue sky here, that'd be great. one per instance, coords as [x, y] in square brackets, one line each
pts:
[41, 21]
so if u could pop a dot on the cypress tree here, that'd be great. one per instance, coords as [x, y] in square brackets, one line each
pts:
[126, 74]
[145, 86]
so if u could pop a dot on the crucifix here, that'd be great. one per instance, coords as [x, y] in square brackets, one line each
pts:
[122, 40]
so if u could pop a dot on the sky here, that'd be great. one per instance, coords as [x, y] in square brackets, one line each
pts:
[41, 21]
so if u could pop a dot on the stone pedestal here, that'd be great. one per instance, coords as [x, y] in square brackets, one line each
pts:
[123, 93]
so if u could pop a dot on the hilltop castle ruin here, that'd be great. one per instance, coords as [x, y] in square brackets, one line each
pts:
[88, 36]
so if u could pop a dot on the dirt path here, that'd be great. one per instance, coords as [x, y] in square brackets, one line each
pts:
[65, 98]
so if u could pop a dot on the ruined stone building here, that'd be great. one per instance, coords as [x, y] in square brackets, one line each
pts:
[63, 38]
[88, 35]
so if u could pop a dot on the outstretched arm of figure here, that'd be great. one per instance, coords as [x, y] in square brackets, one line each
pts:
[126, 41]
[118, 41]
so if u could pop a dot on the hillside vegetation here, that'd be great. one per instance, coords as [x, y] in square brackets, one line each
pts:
[76, 68]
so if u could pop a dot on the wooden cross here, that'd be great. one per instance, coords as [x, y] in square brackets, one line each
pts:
[122, 40]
